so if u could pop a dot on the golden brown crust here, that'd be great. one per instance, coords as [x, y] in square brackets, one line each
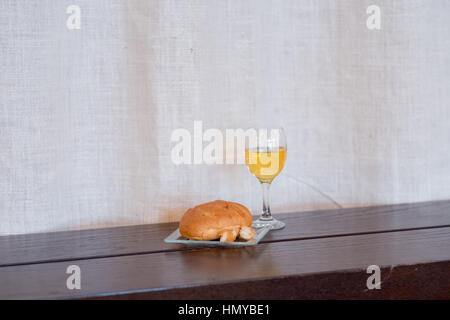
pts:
[209, 221]
[244, 212]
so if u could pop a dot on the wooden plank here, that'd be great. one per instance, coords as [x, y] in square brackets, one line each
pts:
[420, 281]
[86, 244]
[169, 270]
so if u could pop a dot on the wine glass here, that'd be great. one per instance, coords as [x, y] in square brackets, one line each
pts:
[265, 156]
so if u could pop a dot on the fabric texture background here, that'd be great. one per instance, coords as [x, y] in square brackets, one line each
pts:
[86, 115]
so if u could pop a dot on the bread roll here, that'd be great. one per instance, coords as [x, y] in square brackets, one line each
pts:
[216, 220]
[247, 233]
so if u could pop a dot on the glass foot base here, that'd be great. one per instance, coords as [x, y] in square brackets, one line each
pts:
[272, 222]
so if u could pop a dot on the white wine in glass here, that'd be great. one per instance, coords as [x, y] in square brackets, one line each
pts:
[265, 158]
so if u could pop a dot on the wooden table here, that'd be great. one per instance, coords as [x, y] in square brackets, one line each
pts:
[319, 255]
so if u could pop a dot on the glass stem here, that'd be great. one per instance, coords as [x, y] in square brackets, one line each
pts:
[266, 215]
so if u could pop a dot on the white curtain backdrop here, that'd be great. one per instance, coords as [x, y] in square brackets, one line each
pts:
[86, 116]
